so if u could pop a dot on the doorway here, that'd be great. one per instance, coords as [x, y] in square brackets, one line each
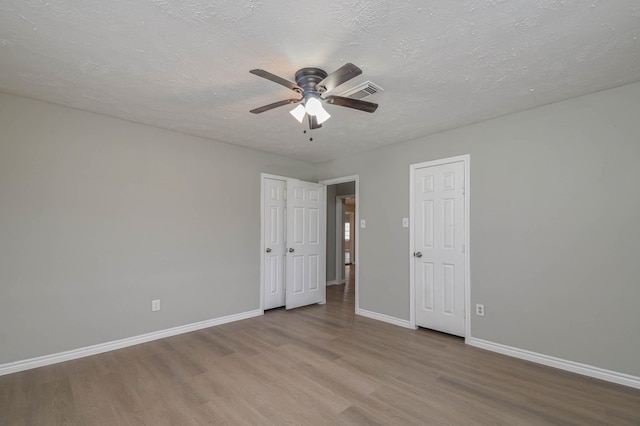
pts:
[346, 233]
[349, 229]
[343, 235]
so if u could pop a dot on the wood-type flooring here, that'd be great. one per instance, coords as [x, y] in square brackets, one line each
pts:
[318, 365]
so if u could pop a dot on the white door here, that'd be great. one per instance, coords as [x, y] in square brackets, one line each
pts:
[273, 226]
[306, 235]
[439, 258]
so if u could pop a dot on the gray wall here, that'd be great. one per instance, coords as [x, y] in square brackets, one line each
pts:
[555, 205]
[346, 188]
[99, 216]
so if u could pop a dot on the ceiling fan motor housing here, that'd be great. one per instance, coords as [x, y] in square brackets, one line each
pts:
[308, 78]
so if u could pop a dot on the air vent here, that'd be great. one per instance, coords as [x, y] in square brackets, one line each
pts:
[362, 90]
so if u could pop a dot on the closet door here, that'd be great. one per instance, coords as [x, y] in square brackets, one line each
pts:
[439, 257]
[306, 243]
[274, 250]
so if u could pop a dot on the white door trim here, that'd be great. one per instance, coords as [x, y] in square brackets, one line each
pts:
[356, 256]
[466, 159]
[264, 176]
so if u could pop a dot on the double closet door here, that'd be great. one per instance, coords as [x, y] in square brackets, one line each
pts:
[294, 242]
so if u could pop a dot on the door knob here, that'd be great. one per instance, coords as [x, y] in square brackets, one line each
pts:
[291, 250]
[268, 250]
[417, 254]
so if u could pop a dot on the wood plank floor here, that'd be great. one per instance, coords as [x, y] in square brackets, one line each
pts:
[315, 365]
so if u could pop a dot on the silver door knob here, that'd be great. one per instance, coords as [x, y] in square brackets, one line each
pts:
[417, 254]
[268, 250]
[291, 250]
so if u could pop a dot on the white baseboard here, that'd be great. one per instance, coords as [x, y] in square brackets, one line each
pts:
[563, 364]
[332, 282]
[16, 366]
[384, 318]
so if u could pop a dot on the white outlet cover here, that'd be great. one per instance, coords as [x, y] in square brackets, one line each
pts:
[155, 305]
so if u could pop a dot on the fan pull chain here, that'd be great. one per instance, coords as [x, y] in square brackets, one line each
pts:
[310, 134]
[310, 129]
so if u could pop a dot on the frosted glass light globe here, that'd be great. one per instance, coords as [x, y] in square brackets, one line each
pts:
[298, 112]
[313, 106]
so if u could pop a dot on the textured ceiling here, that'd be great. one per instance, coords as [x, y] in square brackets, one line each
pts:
[183, 65]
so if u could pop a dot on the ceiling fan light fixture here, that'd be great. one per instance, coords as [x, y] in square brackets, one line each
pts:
[322, 115]
[298, 112]
[312, 105]
[312, 83]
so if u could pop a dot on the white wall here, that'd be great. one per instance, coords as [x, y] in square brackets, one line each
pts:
[555, 211]
[99, 216]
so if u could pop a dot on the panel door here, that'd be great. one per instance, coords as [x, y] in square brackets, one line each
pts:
[274, 199]
[306, 231]
[439, 236]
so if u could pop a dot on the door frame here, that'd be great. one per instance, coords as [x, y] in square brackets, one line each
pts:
[356, 256]
[466, 159]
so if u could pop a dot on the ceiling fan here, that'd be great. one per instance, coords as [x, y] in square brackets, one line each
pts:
[312, 84]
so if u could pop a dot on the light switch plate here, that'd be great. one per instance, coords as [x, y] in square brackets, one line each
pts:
[363, 223]
[405, 222]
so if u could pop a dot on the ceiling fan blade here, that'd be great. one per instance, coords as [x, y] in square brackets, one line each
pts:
[272, 77]
[352, 103]
[339, 76]
[274, 105]
[313, 122]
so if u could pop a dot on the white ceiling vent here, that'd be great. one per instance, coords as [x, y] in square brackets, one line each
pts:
[362, 90]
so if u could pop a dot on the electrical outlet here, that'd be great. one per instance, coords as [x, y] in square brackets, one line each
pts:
[155, 305]
[479, 310]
